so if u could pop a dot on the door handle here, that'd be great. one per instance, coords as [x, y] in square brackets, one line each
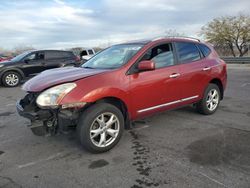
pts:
[175, 75]
[206, 68]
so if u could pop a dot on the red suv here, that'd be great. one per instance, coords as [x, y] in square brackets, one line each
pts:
[123, 83]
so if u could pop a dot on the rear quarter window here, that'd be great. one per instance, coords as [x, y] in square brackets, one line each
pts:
[204, 49]
[187, 52]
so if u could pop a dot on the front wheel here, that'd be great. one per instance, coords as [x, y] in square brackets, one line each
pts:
[100, 127]
[11, 79]
[211, 100]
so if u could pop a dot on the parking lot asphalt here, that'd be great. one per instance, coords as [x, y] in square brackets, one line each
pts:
[178, 148]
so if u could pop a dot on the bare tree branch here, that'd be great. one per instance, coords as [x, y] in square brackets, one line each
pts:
[230, 31]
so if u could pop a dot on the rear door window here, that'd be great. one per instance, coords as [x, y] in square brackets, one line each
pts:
[66, 54]
[51, 55]
[54, 55]
[187, 52]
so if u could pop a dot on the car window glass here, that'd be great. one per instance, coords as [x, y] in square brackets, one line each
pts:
[162, 55]
[40, 56]
[204, 49]
[90, 52]
[53, 55]
[84, 52]
[35, 56]
[70, 54]
[187, 51]
[66, 54]
[31, 57]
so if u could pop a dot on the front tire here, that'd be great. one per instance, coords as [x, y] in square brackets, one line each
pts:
[11, 79]
[211, 100]
[100, 127]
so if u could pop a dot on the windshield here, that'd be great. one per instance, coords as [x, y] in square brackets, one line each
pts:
[113, 57]
[20, 56]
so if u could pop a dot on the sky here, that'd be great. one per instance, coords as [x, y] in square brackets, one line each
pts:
[63, 24]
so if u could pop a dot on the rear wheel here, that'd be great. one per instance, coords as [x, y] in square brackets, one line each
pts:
[11, 79]
[100, 127]
[211, 100]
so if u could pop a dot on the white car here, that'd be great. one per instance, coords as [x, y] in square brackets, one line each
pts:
[86, 54]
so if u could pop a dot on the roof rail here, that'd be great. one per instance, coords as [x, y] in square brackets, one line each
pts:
[184, 37]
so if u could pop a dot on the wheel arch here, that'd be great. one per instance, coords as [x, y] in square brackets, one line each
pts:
[218, 82]
[120, 104]
[20, 72]
[12, 70]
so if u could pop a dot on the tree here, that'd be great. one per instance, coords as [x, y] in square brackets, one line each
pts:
[230, 31]
[173, 33]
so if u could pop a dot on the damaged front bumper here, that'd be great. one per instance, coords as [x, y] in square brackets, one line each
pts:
[46, 121]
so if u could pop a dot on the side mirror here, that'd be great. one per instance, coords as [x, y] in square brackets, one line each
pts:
[146, 65]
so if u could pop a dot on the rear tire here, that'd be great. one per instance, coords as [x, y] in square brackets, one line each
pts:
[11, 79]
[100, 127]
[211, 100]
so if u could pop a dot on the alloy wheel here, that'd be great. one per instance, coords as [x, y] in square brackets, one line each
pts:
[212, 99]
[104, 129]
[12, 79]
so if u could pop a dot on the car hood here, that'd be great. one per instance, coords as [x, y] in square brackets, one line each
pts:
[6, 62]
[57, 76]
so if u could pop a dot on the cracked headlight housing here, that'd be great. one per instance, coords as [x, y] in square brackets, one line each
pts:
[51, 97]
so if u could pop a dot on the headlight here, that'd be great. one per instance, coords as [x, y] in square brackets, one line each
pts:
[52, 97]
